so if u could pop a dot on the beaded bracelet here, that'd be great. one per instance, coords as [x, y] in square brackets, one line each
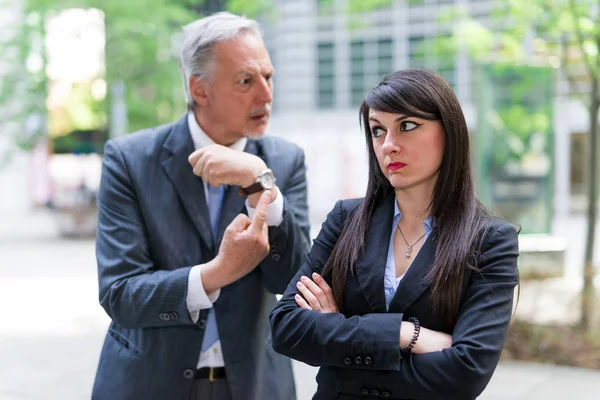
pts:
[415, 337]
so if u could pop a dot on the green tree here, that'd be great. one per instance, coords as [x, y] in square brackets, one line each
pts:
[140, 59]
[558, 33]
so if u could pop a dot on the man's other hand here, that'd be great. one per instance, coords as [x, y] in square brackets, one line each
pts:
[245, 244]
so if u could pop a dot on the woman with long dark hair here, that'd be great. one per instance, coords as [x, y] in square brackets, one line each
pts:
[408, 292]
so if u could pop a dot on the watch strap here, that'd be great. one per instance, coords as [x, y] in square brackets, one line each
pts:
[254, 188]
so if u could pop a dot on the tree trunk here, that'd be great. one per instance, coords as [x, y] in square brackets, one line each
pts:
[587, 294]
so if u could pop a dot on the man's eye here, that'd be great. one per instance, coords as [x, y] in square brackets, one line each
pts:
[245, 81]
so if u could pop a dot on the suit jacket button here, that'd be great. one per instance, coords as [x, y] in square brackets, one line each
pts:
[275, 256]
[174, 315]
[358, 360]
[364, 392]
[164, 316]
[368, 361]
[386, 394]
[347, 361]
[375, 392]
[202, 324]
[188, 374]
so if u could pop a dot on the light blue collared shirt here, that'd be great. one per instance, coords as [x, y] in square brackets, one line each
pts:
[390, 282]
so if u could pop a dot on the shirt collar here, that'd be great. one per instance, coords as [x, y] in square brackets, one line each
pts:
[398, 216]
[201, 139]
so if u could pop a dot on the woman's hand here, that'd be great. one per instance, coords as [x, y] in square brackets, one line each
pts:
[429, 341]
[316, 296]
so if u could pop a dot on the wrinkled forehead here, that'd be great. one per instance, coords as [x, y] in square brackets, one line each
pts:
[245, 52]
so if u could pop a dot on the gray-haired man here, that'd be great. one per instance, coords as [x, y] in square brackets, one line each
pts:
[188, 280]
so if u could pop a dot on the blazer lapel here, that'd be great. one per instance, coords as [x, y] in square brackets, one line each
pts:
[414, 282]
[189, 187]
[233, 203]
[370, 269]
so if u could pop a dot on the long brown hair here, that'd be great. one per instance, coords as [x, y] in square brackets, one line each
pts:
[461, 221]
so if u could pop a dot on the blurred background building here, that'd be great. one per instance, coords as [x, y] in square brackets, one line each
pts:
[80, 72]
[326, 60]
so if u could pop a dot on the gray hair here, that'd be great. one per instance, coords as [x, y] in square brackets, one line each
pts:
[199, 37]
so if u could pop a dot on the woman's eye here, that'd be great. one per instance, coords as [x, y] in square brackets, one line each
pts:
[377, 132]
[408, 126]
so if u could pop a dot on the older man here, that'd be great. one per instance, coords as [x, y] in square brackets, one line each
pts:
[185, 275]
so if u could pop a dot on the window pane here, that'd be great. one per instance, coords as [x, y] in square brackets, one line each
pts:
[357, 82]
[371, 81]
[357, 67]
[326, 51]
[357, 50]
[357, 96]
[415, 47]
[326, 100]
[386, 65]
[326, 85]
[384, 47]
[326, 68]
[326, 75]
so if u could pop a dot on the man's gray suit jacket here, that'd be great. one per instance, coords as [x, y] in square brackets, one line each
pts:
[153, 226]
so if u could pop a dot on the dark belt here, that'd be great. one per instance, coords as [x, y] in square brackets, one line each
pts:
[210, 373]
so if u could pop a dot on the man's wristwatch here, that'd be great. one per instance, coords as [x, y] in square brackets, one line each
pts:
[264, 181]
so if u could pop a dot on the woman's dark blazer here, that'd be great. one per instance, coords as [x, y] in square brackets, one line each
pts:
[358, 351]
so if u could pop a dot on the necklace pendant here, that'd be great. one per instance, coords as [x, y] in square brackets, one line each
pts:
[408, 250]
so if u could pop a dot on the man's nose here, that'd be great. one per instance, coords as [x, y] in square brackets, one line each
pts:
[265, 93]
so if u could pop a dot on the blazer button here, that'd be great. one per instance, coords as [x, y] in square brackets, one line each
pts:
[188, 374]
[202, 324]
[347, 361]
[386, 394]
[375, 392]
[364, 392]
[174, 315]
[358, 360]
[164, 316]
[275, 256]
[368, 361]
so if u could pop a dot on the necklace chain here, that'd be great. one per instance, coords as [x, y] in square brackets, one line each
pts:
[409, 247]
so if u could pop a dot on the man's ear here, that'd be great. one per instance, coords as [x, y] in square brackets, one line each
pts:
[198, 90]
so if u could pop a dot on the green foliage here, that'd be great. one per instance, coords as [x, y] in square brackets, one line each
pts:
[357, 6]
[25, 52]
[362, 6]
[558, 26]
[141, 41]
[138, 53]
[518, 113]
[250, 9]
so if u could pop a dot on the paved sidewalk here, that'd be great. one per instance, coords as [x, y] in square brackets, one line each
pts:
[511, 381]
[52, 327]
[527, 381]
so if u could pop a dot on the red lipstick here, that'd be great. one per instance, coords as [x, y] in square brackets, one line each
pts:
[395, 166]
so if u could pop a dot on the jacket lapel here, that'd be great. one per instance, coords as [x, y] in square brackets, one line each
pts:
[414, 282]
[188, 186]
[370, 269]
[233, 203]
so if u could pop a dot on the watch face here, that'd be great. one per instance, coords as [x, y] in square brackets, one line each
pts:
[267, 180]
